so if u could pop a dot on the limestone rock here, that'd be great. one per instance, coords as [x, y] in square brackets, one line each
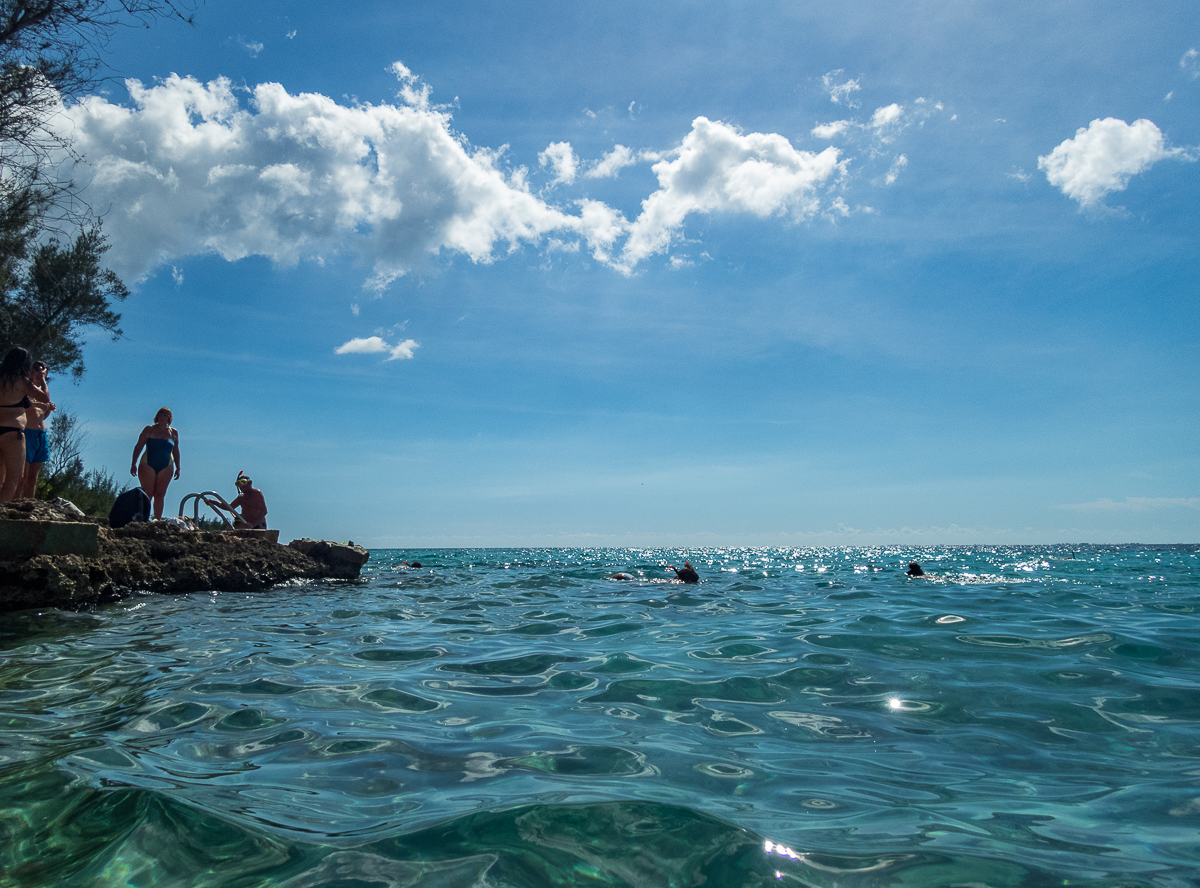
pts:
[156, 556]
[344, 559]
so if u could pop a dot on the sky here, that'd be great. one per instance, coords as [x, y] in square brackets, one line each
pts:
[672, 274]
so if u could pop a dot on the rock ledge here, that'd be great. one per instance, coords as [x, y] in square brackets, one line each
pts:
[157, 557]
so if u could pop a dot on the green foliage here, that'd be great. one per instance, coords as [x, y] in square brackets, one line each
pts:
[93, 491]
[52, 52]
[61, 291]
[52, 285]
[64, 474]
[210, 523]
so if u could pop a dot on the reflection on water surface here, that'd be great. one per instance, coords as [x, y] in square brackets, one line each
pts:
[1017, 717]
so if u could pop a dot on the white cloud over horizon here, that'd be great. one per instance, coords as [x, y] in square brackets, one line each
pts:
[1135, 504]
[195, 168]
[374, 345]
[1101, 158]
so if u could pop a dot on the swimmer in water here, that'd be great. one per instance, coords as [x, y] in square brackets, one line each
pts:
[686, 574]
[914, 570]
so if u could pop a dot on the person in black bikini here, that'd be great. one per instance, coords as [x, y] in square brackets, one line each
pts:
[15, 390]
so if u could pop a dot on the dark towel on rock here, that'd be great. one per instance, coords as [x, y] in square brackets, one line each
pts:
[132, 505]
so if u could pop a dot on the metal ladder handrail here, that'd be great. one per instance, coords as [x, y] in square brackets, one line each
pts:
[199, 497]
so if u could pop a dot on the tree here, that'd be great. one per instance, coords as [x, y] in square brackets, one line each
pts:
[92, 491]
[63, 290]
[50, 53]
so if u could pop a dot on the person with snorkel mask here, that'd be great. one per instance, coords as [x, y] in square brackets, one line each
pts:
[254, 506]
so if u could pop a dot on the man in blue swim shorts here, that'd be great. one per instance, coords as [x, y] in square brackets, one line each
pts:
[37, 445]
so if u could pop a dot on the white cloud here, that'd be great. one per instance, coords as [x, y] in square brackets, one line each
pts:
[403, 351]
[369, 345]
[885, 125]
[374, 345]
[897, 165]
[1191, 62]
[831, 130]
[718, 169]
[840, 93]
[560, 157]
[602, 226]
[886, 118]
[188, 171]
[1101, 158]
[838, 209]
[194, 168]
[612, 163]
[252, 48]
[1136, 504]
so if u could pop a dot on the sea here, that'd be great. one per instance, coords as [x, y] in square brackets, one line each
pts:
[511, 718]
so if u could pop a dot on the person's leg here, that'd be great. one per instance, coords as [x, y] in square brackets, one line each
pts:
[12, 456]
[159, 493]
[30, 480]
[36, 454]
[147, 477]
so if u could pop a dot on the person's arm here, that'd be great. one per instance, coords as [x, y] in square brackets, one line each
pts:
[141, 442]
[39, 399]
[175, 435]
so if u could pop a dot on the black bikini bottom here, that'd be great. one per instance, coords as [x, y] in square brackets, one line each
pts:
[4, 429]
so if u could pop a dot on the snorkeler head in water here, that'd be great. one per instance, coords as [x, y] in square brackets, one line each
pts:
[914, 570]
[687, 573]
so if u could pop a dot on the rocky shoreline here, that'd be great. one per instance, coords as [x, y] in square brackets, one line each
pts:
[152, 557]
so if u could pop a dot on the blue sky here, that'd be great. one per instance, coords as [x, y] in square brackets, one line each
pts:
[487, 274]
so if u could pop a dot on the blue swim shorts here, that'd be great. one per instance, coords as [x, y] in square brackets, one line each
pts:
[37, 448]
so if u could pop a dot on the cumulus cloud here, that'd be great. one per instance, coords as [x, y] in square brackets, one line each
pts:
[187, 170]
[832, 129]
[887, 117]
[560, 157]
[719, 169]
[374, 345]
[1101, 158]
[612, 163]
[190, 168]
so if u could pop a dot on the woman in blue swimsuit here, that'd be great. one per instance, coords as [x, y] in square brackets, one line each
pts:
[15, 400]
[162, 450]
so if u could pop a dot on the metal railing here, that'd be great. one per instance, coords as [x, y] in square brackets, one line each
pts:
[204, 498]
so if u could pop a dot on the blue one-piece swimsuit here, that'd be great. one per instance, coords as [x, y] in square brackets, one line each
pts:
[159, 452]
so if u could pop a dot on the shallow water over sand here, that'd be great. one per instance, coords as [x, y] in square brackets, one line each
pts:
[1020, 717]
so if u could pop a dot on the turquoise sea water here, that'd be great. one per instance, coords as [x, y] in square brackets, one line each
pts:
[1024, 716]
